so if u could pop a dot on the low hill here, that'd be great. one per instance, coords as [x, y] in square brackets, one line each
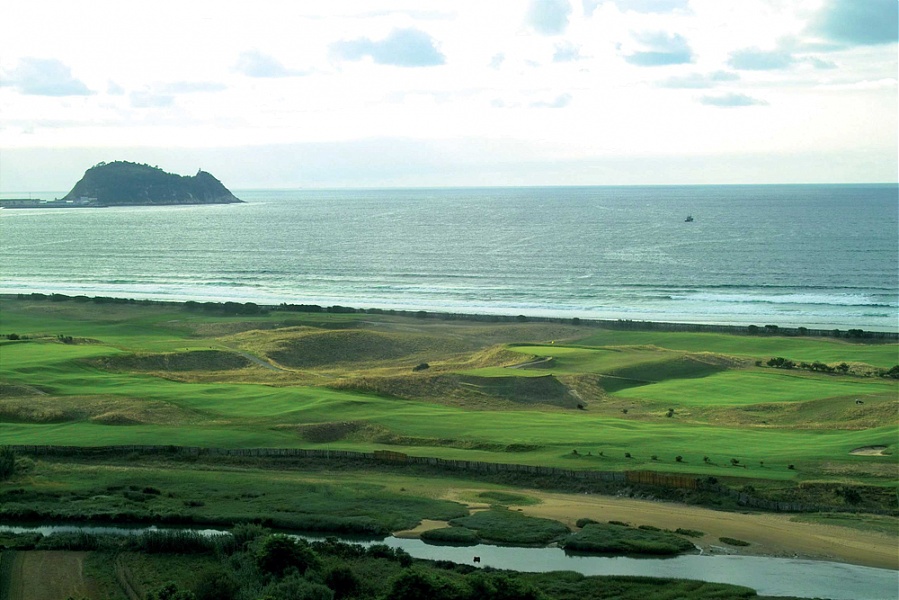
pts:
[123, 183]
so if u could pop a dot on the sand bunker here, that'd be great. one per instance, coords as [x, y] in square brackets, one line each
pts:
[869, 451]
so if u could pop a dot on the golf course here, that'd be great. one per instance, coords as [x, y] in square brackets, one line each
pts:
[128, 411]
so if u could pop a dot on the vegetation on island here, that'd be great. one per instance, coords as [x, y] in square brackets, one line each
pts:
[126, 183]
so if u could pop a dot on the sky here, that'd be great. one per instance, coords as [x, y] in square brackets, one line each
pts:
[420, 93]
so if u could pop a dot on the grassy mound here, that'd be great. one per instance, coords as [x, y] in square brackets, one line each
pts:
[620, 539]
[690, 366]
[468, 390]
[323, 348]
[197, 360]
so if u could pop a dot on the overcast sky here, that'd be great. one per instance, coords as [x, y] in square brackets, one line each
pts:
[375, 93]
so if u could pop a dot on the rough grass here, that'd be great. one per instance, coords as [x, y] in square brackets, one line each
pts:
[331, 348]
[197, 360]
[107, 410]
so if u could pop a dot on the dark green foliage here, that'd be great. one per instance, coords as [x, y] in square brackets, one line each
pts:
[217, 585]
[511, 527]
[420, 584]
[126, 183]
[615, 539]
[245, 534]
[279, 553]
[689, 532]
[78, 540]
[295, 587]
[779, 362]
[584, 521]
[175, 540]
[342, 580]
[7, 463]
[501, 586]
[395, 554]
[171, 591]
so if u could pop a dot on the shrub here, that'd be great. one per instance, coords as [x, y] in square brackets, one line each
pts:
[217, 585]
[733, 541]
[689, 532]
[461, 536]
[584, 521]
[616, 539]
[343, 582]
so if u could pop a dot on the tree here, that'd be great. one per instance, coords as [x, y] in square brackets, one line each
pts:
[279, 552]
[414, 584]
[343, 582]
[7, 463]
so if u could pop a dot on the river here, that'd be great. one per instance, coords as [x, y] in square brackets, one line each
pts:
[768, 576]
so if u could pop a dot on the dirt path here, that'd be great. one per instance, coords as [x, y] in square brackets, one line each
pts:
[48, 575]
[768, 534]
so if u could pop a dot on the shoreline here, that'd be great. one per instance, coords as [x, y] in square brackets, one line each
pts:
[498, 317]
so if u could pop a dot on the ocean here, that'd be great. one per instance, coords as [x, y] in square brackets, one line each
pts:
[819, 256]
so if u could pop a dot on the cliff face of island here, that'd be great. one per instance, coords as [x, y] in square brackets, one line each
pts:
[123, 183]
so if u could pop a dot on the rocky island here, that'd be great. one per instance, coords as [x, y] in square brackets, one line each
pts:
[123, 183]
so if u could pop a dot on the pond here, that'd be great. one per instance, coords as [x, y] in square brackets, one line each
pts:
[769, 576]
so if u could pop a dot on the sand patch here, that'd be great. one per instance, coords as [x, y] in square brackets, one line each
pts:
[425, 525]
[869, 451]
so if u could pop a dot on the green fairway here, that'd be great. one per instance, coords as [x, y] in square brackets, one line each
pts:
[796, 348]
[753, 387]
[347, 382]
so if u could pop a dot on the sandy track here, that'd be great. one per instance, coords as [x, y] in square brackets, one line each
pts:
[768, 534]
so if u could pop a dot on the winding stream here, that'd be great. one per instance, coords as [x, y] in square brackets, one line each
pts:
[769, 576]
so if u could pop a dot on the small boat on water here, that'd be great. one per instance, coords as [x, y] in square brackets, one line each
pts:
[689, 219]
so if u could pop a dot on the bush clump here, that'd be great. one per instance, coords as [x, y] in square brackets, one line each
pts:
[457, 536]
[733, 541]
[617, 539]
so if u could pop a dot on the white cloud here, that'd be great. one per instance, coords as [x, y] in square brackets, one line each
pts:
[401, 48]
[549, 17]
[573, 83]
[731, 100]
[660, 49]
[44, 77]
[254, 63]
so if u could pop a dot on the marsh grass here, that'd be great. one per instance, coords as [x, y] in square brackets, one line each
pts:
[510, 527]
[621, 539]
